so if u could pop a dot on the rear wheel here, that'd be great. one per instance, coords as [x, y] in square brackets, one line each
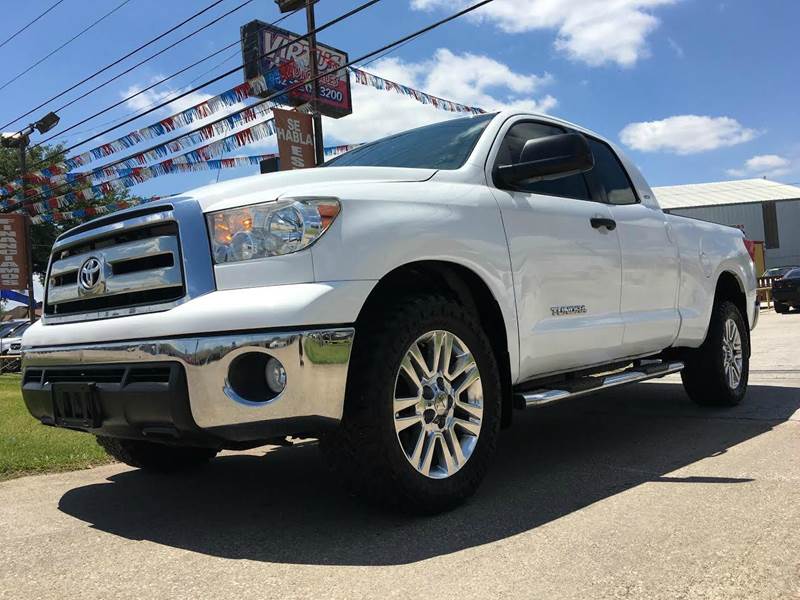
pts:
[422, 413]
[716, 374]
[153, 456]
[781, 308]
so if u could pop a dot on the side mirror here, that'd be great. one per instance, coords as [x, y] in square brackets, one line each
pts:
[547, 158]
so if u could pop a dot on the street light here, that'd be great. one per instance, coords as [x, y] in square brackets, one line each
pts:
[21, 140]
[290, 5]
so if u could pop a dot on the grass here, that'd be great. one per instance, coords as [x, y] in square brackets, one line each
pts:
[26, 446]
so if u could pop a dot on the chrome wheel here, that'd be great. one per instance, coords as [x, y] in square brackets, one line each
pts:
[732, 354]
[438, 404]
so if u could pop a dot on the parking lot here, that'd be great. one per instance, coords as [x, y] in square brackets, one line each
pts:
[635, 493]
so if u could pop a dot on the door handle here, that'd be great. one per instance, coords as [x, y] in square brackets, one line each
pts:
[598, 222]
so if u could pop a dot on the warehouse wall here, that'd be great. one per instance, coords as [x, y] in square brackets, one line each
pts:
[789, 232]
[751, 217]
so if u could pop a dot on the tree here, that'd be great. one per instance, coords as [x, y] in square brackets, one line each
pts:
[44, 235]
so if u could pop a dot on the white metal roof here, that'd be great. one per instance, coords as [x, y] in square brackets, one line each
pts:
[724, 192]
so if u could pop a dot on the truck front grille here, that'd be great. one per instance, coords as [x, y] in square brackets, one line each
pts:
[116, 271]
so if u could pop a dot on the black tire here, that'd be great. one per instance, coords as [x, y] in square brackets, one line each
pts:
[155, 457]
[365, 451]
[704, 377]
[781, 308]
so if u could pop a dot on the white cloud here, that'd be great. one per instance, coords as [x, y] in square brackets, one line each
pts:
[595, 32]
[686, 134]
[155, 96]
[466, 78]
[763, 165]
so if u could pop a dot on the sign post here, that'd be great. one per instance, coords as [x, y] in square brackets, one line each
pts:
[319, 142]
[15, 257]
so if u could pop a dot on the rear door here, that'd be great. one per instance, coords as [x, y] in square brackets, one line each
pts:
[650, 264]
[566, 267]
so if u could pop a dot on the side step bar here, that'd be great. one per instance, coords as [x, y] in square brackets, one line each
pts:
[587, 385]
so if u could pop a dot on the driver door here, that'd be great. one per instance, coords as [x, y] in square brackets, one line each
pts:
[566, 266]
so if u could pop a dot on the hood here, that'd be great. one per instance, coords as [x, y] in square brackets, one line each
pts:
[319, 181]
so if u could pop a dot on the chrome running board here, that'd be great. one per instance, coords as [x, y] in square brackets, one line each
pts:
[595, 383]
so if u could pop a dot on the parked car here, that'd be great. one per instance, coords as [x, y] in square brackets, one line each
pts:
[11, 343]
[786, 291]
[397, 303]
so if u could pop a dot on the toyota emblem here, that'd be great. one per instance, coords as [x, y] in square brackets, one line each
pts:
[89, 275]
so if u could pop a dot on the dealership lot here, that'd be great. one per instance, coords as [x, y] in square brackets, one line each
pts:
[634, 493]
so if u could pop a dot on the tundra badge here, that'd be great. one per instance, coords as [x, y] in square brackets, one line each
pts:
[562, 311]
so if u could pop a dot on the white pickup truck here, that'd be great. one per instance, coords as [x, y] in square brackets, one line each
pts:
[397, 303]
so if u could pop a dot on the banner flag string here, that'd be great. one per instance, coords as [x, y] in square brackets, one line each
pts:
[201, 110]
[207, 108]
[53, 187]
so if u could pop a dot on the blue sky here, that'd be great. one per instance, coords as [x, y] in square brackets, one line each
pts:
[693, 90]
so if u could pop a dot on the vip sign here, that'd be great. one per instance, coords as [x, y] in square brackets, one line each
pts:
[295, 133]
[13, 252]
[284, 61]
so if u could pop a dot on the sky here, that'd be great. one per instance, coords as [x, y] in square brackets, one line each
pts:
[692, 90]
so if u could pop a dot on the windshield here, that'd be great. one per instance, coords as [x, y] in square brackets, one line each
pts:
[7, 327]
[445, 145]
[793, 274]
[20, 330]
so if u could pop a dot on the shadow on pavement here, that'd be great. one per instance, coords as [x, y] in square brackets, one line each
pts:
[285, 507]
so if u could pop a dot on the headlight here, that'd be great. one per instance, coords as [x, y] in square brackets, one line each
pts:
[270, 229]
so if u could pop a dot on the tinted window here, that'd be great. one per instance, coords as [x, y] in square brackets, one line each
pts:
[793, 274]
[510, 152]
[445, 145]
[611, 176]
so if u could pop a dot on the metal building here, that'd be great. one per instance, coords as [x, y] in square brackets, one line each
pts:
[765, 210]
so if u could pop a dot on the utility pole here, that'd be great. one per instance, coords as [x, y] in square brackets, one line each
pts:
[23, 151]
[292, 5]
[319, 143]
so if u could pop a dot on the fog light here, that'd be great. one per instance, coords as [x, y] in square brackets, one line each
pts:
[276, 375]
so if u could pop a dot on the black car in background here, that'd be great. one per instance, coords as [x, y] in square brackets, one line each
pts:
[786, 291]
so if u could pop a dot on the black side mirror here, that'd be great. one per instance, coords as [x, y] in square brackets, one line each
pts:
[547, 158]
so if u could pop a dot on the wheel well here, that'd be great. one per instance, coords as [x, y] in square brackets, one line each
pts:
[466, 287]
[729, 288]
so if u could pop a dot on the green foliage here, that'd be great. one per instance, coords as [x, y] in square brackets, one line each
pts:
[44, 235]
[27, 446]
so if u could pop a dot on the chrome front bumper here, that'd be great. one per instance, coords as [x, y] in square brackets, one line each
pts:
[315, 360]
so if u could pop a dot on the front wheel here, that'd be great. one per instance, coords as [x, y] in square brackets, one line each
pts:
[422, 412]
[781, 308]
[716, 374]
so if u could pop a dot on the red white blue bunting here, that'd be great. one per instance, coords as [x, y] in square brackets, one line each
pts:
[186, 117]
[129, 176]
[379, 83]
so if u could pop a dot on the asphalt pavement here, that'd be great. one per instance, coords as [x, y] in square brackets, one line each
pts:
[634, 493]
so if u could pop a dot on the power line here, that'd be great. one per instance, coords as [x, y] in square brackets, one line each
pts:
[69, 41]
[323, 27]
[160, 81]
[152, 56]
[116, 62]
[99, 126]
[52, 6]
[301, 84]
